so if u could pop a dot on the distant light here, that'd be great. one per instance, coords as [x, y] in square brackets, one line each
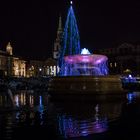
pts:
[130, 76]
[40, 69]
[40, 100]
[85, 51]
[71, 2]
[131, 97]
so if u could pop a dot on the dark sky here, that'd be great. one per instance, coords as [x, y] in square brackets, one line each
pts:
[31, 25]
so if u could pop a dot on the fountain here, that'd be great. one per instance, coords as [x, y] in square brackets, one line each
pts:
[85, 64]
[80, 71]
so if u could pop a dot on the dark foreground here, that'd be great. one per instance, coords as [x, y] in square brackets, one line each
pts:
[38, 117]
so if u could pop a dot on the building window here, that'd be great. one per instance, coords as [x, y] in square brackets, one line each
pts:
[110, 64]
[115, 64]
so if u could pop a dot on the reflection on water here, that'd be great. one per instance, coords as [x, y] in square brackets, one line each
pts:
[36, 113]
[84, 118]
[132, 96]
[72, 127]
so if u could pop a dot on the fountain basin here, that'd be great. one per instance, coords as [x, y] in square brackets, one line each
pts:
[85, 85]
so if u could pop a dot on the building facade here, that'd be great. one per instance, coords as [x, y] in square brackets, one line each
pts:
[48, 67]
[42, 68]
[11, 65]
[3, 63]
[125, 57]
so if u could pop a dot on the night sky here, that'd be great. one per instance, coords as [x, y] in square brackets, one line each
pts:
[31, 25]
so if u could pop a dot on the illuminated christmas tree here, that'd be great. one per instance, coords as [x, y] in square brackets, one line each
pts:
[71, 39]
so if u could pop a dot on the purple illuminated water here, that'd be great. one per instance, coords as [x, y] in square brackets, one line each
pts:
[85, 64]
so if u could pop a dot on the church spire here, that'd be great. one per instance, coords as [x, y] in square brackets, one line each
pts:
[57, 43]
[60, 23]
[59, 30]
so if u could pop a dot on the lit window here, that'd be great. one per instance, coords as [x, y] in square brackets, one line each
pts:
[110, 64]
[115, 64]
